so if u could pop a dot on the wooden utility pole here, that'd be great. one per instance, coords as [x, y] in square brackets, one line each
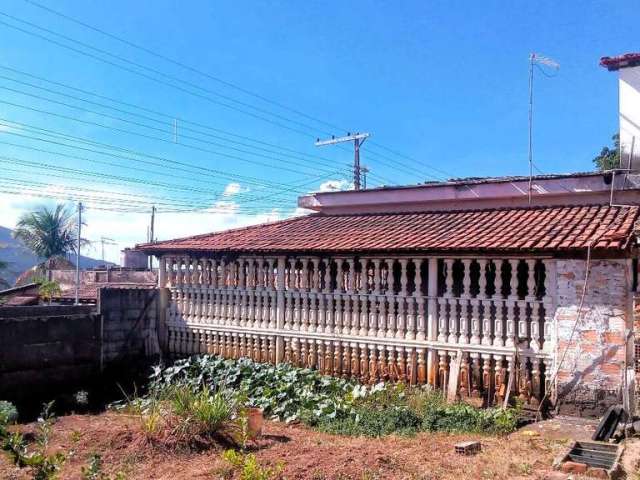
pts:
[357, 139]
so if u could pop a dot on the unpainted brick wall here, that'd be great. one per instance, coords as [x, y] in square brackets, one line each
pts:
[591, 376]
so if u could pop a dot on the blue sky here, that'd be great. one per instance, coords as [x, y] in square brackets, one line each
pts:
[442, 83]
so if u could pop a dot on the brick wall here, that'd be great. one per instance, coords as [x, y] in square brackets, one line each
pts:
[591, 376]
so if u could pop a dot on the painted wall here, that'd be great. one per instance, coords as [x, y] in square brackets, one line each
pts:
[629, 85]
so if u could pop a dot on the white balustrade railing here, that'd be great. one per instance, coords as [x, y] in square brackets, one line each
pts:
[401, 318]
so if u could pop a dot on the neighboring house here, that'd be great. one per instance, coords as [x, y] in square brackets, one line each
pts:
[90, 282]
[21, 296]
[474, 285]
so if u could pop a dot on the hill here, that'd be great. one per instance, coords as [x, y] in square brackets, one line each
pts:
[19, 257]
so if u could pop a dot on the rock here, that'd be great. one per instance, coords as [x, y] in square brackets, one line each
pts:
[555, 476]
[574, 467]
[597, 473]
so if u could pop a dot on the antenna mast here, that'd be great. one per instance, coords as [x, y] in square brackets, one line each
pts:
[358, 139]
[535, 59]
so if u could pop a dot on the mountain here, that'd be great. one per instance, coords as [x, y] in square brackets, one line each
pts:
[19, 257]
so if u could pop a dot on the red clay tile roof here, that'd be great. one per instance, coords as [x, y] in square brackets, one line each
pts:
[544, 229]
[90, 292]
[621, 61]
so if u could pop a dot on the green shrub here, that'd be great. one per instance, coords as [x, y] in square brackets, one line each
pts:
[42, 465]
[248, 467]
[283, 391]
[335, 405]
[8, 413]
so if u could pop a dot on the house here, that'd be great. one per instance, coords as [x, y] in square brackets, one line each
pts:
[495, 287]
[90, 282]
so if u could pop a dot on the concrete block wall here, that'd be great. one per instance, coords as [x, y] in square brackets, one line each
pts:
[591, 375]
[45, 350]
[129, 323]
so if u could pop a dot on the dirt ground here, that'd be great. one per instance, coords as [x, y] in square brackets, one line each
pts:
[306, 454]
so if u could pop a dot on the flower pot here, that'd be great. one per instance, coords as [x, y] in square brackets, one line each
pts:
[255, 420]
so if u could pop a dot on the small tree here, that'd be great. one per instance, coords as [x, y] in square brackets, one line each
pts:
[49, 289]
[609, 158]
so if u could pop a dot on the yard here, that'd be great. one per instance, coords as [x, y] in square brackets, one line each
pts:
[305, 453]
[194, 421]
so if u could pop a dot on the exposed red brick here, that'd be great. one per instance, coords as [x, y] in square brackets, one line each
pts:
[614, 338]
[574, 467]
[544, 229]
[610, 368]
[597, 473]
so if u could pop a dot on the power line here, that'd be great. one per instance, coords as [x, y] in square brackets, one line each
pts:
[216, 79]
[186, 67]
[214, 173]
[149, 137]
[283, 188]
[148, 76]
[139, 124]
[169, 117]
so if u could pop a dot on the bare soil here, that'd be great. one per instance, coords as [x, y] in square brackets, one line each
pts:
[306, 454]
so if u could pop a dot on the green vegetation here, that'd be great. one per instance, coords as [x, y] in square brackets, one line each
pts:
[94, 470]
[186, 416]
[48, 232]
[331, 404]
[43, 466]
[609, 158]
[248, 467]
[49, 289]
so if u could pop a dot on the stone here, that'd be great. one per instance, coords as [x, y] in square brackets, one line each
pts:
[555, 476]
[574, 467]
[597, 473]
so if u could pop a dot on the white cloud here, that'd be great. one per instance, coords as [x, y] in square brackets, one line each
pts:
[233, 188]
[335, 185]
[127, 228]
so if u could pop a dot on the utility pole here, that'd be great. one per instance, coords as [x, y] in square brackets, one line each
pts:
[152, 233]
[78, 251]
[106, 241]
[364, 170]
[535, 59]
[357, 139]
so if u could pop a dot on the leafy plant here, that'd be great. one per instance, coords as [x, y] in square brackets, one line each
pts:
[335, 405]
[283, 392]
[249, 468]
[42, 465]
[49, 289]
[94, 470]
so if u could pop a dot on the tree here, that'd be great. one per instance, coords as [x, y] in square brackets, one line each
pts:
[609, 158]
[48, 232]
[3, 283]
[49, 289]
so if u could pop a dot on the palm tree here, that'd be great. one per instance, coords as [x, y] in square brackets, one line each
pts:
[48, 232]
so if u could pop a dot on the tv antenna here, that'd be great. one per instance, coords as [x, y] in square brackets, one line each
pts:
[535, 59]
[358, 139]
[106, 241]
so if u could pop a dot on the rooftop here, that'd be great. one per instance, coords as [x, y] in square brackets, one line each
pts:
[530, 229]
[621, 61]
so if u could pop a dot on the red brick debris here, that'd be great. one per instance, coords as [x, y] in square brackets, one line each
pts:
[543, 229]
